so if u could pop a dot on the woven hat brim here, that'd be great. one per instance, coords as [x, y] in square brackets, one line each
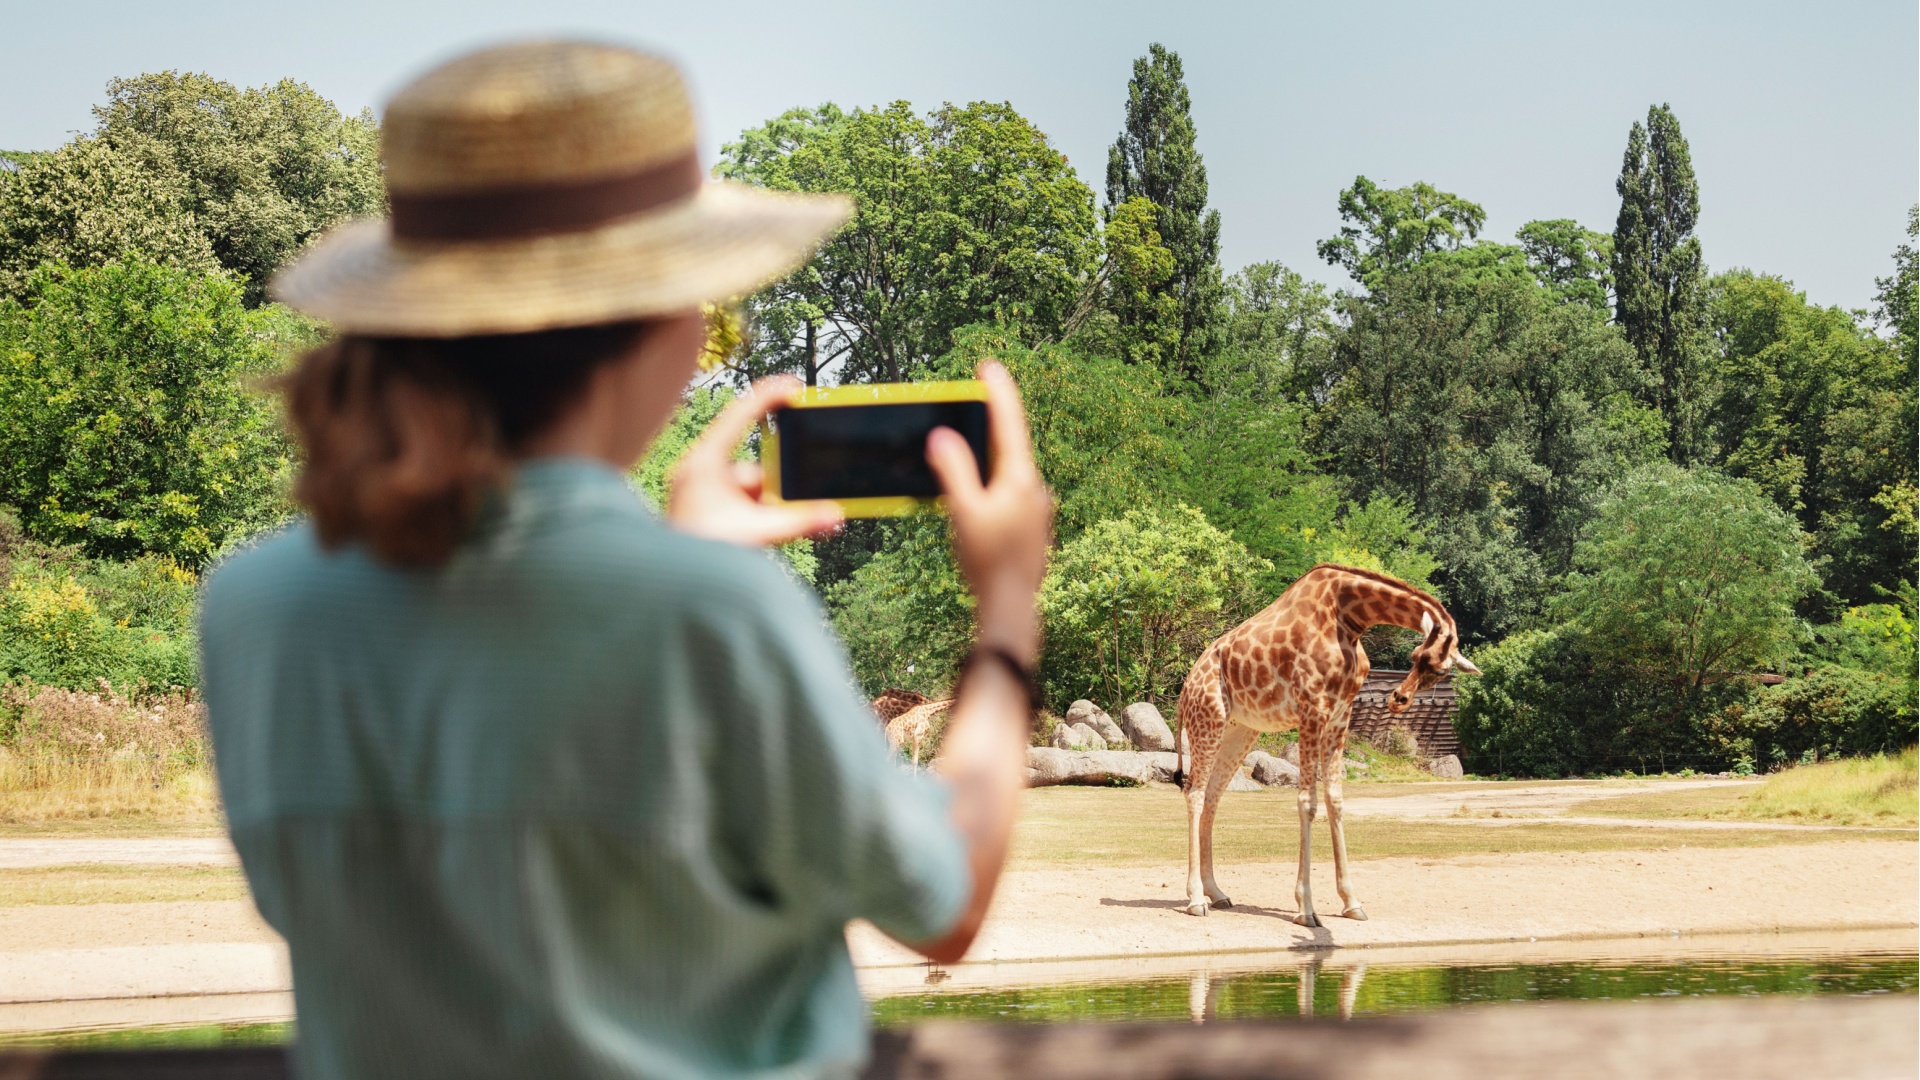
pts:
[727, 240]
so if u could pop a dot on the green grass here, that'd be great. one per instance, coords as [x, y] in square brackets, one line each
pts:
[1068, 827]
[119, 884]
[1881, 790]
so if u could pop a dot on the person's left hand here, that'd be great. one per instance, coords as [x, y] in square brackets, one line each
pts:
[712, 495]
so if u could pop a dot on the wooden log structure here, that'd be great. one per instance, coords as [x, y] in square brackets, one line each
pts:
[1770, 1038]
[1429, 717]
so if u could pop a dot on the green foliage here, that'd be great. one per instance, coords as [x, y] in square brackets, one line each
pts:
[1875, 637]
[1685, 576]
[967, 215]
[1570, 260]
[1279, 331]
[1130, 603]
[904, 614]
[1659, 275]
[1129, 310]
[126, 424]
[1155, 158]
[1829, 712]
[1388, 230]
[1820, 413]
[70, 621]
[186, 169]
[1495, 411]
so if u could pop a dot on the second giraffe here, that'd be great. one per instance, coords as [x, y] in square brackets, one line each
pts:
[1298, 665]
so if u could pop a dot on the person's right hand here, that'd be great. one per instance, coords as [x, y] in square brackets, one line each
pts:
[1001, 530]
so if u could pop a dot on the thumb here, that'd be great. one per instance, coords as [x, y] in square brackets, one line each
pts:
[954, 465]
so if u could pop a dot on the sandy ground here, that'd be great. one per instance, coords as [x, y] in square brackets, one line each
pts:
[156, 959]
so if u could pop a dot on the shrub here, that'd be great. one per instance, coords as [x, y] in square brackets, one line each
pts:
[1829, 712]
[1875, 637]
[53, 721]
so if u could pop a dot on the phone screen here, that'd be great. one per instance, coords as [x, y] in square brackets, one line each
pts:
[871, 451]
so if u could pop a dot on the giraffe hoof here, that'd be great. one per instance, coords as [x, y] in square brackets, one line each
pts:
[1307, 918]
[1223, 902]
[1356, 913]
[1196, 909]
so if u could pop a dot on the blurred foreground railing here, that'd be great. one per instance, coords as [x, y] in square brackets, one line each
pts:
[1757, 1038]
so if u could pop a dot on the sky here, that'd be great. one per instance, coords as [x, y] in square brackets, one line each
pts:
[1804, 119]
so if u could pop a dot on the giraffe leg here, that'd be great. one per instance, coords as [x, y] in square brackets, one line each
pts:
[1303, 888]
[1350, 989]
[1336, 772]
[1309, 975]
[1226, 762]
[1203, 722]
[1196, 798]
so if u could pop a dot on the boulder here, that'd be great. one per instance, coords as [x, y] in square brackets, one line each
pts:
[1270, 771]
[1066, 738]
[1144, 727]
[1292, 755]
[1047, 766]
[1084, 735]
[1447, 767]
[1243, 782]
[1095, 717]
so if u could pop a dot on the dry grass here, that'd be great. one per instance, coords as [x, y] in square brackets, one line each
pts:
[103, 760]
[119, 884]
[1068, 827]
[1881, 790]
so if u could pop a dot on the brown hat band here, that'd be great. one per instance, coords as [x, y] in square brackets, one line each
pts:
[547, 208]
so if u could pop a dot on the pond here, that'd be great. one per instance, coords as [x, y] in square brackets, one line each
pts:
[1338, 983]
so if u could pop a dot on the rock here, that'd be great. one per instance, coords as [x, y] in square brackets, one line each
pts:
[1095, 717]
[1243, 782]
[1271, 771]
[1047, 766]
[1144, 727]
[1292, 755]
[1084, 735]
[1062, 736]
[1447, 768]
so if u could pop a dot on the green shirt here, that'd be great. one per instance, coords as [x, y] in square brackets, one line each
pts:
[595, 799]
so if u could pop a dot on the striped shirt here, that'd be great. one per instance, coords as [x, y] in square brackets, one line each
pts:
[595, 799]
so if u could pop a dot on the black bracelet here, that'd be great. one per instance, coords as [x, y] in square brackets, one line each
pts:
[1021, 672]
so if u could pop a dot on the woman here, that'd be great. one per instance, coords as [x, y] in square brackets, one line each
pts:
[532, 782]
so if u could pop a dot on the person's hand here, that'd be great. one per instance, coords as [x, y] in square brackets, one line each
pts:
[1001, 530]
[714, 496]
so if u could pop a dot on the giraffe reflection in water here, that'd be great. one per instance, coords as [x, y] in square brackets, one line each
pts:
[1203, 989]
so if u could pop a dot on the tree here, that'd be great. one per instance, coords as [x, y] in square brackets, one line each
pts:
[1570, 260]
[1897, 303]
[968, 215]
[85, 205]
[1659, 275]
[1279, 328]
[1688, 576]
[1492, 409]
[1130, 603]
[1389, 229]
[1819, 412]
[1128, 309]
[189, 170]
[126, 421]
[1155, 158]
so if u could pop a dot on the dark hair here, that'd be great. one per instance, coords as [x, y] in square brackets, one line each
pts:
[405, 438]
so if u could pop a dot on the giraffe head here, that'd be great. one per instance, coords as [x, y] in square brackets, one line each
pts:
[1435, 656]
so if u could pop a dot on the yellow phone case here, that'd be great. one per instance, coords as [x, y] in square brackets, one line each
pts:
[867, 394]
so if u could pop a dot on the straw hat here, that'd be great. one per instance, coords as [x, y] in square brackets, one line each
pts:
[548, 184]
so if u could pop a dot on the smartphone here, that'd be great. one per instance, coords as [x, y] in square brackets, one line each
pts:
[865, 447]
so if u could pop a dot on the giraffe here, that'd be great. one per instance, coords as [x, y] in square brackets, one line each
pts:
[1298, 665]
[913, 725]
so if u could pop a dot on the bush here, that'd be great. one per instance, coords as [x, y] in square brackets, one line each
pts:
[1130, 603]
[56, 722]
[1830, 712]
[126, 425]
[74, 622]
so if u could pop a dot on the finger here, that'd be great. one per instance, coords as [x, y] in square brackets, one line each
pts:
[796, 521]
[1006, 419]
[749, 476]
[731, 426]
[953, 463]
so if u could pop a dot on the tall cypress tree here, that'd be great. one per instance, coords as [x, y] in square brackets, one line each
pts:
[1155, 158]
[1659, 276]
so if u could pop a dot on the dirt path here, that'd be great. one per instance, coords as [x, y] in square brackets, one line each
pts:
[1536, 801]
[25, 853]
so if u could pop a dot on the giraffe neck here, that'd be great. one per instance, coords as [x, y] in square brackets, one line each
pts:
[1365, 600]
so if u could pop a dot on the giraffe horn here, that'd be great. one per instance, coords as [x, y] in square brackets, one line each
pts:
[1426, 624]
[1463, 664]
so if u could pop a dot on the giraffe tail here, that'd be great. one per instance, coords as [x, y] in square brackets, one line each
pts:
[1180, 770]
